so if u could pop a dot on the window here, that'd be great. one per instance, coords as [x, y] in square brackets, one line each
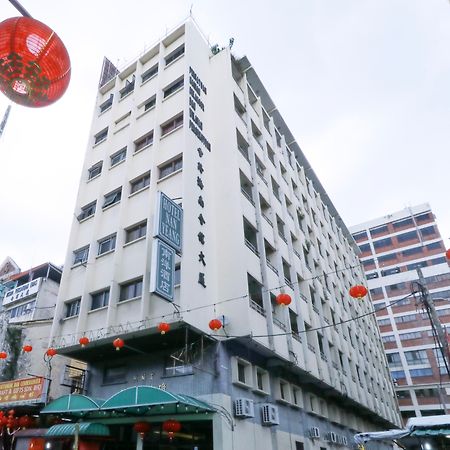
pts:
[403, 223]
[119, 156]
[87, 211]
[378, 230]
[427, 231]
[412, 251]
[379, 306]
[412, 335]
[275, 189]
[423, 217]
[404, 319]
[393, 359]
[371, 276]
[131, 289]
[416, 357]
[416, 373]
[100, 136]
[391, 271]
[172, 124]
[390, 338]
[150, 73]
[403, 394]
[170, 167]
[115, 374]
[150, 103]
[95, 170]
[382, 243]
[73, 307]
[100, 299]
[367, 263]
[383, 322]
[435, 261]
[177, 53]
[177, 275]
[364, 248]
[361, 236]
[80, 256]
[386, 258]
[410, 235]
[107, 244]
[262, 380]
[143, 142]
[135, 232]
[427, 393]
[140, 183]
[175, 367]
[106, 104]
[173, 87]
[376, 291]
[299, 445]
[112, 198]
[397, 374]
[434, 246]
[241, 372]
[128, 88]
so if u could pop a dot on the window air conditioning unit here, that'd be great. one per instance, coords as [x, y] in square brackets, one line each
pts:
[314, 433]
[269, 414]
[243, 407]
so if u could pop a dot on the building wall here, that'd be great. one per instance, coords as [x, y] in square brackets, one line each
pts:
[391, 269]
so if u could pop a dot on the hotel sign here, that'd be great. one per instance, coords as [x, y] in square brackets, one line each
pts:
[162, 280]
[168, 222]
[22, 391]
[23, 291]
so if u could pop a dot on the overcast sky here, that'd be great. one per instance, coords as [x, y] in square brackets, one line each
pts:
[364, 86]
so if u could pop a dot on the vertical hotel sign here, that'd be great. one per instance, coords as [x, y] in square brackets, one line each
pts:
[166, 243]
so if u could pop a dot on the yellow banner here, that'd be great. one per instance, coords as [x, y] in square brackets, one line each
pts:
[23, 390]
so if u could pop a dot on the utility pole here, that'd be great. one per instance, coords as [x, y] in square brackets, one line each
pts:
[438, 329]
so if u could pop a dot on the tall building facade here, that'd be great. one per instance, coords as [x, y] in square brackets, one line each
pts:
[198, 125]
[392, 249]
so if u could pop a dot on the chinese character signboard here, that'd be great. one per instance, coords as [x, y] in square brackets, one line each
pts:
[25, 290]
[23, 391]
[168, 221]
[162, 278]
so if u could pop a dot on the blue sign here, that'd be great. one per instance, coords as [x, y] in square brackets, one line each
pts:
[169, 221]
[162, 279]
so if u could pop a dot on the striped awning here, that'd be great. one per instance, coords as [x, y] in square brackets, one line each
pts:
[84, 429]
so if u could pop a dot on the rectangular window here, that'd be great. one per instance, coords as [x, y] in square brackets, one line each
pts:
[378, 230]
[149, 73]
[371, 276]
[427, 231]
[175, 367]
[177, 53]
[172, 124]
[118, 156]
[423, 217]
[412, 335]
[87, 211]
[135, 232]
[173, 87]
[177, 276]
[382, 243]
[364, 248]
[412, 251]
[427, 372]
[140, 183]
[80, 256]
[434, 246]
[241, 372]
[386, 258]
[115, 374]
[383, 322]
[416, 357]
[409, 236]
[101, 136]
[150, 103]
[99, 299]
[170, 167]
[106, 104]
[113, 198]
[131, 289]
[95, 170]
[397, 375]
[390, 338]
[393, 270]
[73, 308]
[361, 236]
[404, 319]
[403, 223]
[143, 142]
[107, 244]
[128, 88]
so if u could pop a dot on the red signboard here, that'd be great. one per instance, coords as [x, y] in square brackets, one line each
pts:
[25, 390]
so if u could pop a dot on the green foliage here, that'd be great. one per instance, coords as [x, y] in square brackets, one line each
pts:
[13, 346]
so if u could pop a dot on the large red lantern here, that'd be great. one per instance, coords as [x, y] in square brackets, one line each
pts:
[171, 427]
[163, 327]
[25, 421]
[447, 253]
[283, 299]
[27, 348]
[118, 343]
[215, 324]
[358, 291]
[34, 64]
[141, 428]
[51, 352]
[4, 420]
[84, 340]
[3, 355]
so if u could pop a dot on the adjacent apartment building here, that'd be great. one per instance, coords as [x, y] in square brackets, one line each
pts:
[197, 124]
[392, 248]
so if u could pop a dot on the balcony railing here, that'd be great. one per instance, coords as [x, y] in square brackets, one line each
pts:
[258, 308]
[267, 219]
[296, 336]
[296, 253]
[272, 266]
[248, 196]
[311, 347]
[279, 323]
[303, 297]
[252, 247]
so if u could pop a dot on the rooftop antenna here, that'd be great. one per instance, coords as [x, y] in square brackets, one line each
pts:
[5, 119]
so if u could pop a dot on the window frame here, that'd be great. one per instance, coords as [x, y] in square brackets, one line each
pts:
[76, 261]
[174, 123]
[113, 197]
[138, 226]
[104, 299]
[144, 141]
[135, 184]
[172, 164]
[101, 136]
[137, 287]
[150, 73]
[70, 305]
[90, 209]
[92, 170]
[109, 242]
[121, 152]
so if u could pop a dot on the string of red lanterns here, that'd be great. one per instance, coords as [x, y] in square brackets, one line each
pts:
[84, 340]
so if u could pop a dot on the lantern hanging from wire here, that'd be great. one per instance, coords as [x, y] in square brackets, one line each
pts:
[3, 355]
[283, 299]
[35, 65]
[141, 428]
[358, 291]
[84, 340]
[118, 343]
[215, 324]
[171, 427]
[163, 327]
[51, 352]
[27, 348]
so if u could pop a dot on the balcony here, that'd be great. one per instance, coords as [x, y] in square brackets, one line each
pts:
[252, 247]
[258, 308]
[272, 266]
[279, 323]
[248, 196]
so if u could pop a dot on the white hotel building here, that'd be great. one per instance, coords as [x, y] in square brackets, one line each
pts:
[200, 126]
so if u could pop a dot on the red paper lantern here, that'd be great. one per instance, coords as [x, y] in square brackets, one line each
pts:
[171, 427]
[3, 355]
[283, 299]
[25, 421]
[163, 327]
[51, 352]
[27, 348]
[118, 343]
[358, 291]
[35, 69]
[141, 428]
[215, 324]
[447, 253]
[4, 420]
[84, 340]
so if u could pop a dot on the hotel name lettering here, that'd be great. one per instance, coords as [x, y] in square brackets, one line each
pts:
[196, 89]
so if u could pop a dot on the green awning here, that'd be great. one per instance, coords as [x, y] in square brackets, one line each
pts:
[431, 432]
[71, 405]
[84, 429]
